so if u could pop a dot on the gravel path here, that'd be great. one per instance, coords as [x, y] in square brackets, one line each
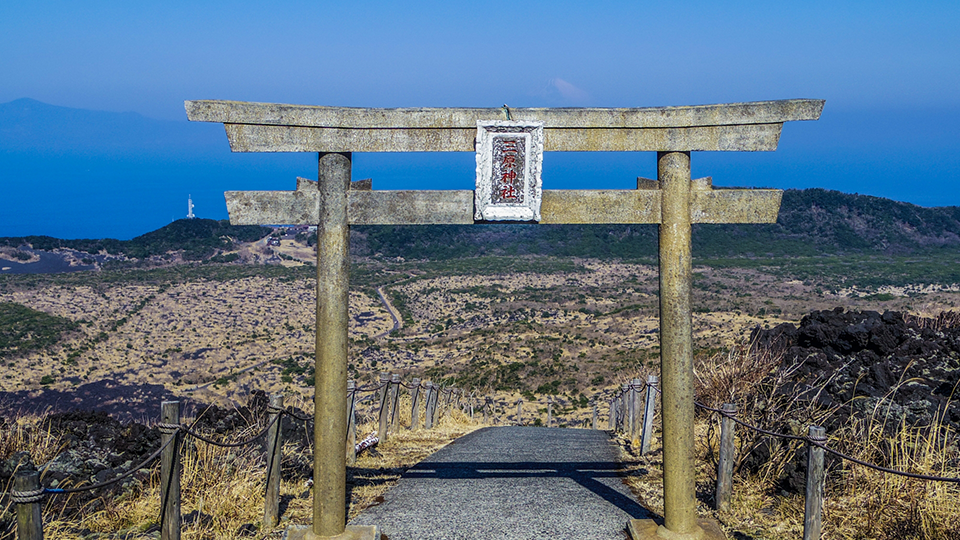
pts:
[512, 483]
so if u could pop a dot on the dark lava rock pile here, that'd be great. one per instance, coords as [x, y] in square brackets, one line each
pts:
[895, 369]
[95, 448]
[904, 368]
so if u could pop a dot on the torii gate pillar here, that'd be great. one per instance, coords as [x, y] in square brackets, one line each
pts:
[676, 341]
[676, 361]
[330, 397]
[674, 202]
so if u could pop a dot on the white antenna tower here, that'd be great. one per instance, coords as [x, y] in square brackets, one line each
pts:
[190, 207]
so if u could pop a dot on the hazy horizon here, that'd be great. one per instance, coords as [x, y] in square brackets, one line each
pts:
[889, 73]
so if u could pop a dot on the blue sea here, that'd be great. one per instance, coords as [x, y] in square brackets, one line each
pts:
[72, 173]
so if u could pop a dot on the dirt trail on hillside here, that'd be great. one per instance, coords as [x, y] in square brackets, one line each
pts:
[397, 322]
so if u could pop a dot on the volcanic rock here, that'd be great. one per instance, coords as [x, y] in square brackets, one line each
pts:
[903, 369]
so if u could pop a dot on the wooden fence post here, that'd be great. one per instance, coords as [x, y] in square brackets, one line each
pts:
[384, 384]
[596, 412]
[612, 422]
[271, 503]
[725, 464]
[648, 410]
[29, 518]
[394, 398]
[351, 446]
[170, 471]
[472, 399]
[384, 408]
[813, 506]
[415, 404]
[625, 413]
[549, 411]
[437, 406]
[636, 424]
[625, 408]
[437, 409]
[441, 400]
[617, 407]
[615, 412]
[449, 401]
[428, 405]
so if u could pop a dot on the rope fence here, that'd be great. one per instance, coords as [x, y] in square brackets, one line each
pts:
[28, 493]
[625, 415]
[631, 411]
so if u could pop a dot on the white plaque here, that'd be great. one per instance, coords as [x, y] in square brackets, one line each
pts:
[509, 159]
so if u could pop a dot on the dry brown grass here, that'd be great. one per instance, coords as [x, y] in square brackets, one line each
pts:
[758, 382]
[221, 494]
[222, 489]
[24, 434]
[937, 321]
[898, 507]
[860, 503]
[227, 321]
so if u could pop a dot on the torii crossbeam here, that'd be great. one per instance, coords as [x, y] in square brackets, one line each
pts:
[673, 201]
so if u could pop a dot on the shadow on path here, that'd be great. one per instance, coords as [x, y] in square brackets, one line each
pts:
[584, 473]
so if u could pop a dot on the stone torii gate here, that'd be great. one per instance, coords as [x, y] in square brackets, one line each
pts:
[673, 201]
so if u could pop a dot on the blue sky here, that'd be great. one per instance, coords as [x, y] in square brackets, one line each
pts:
[890, 72]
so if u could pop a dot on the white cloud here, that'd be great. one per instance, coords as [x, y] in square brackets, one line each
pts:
[570, 92]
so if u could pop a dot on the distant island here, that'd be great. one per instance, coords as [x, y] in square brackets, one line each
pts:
[182, 240]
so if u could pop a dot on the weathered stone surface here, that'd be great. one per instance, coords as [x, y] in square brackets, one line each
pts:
[274, 207]
[647, 529]
[733, 138]
[270, 127]
[586, 206]
[278, 114]
[578, 206]
[735, 205]
[410, 207]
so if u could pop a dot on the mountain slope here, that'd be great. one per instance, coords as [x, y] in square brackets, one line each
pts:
[197, 238]
[811, 222]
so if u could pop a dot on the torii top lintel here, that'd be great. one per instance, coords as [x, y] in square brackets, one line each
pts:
[267, 127]
[271, 127]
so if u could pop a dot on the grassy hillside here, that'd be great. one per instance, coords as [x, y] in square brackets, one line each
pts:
[197, 238]
[24, 330]
[824, 222]
[811, 222]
